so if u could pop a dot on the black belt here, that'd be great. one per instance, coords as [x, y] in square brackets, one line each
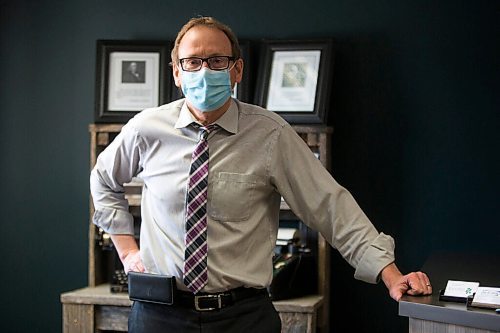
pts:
[216, 301]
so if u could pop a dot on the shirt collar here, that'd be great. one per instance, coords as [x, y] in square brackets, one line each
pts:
[228, 121]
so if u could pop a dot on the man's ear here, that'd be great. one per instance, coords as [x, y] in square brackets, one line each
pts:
[177, 75]
[238, 69]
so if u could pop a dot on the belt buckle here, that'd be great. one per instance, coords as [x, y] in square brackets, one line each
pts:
[198, 298]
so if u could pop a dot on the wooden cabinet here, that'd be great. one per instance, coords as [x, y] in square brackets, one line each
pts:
[95, 308]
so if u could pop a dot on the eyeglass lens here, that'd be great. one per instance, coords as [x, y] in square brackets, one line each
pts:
[215, 63]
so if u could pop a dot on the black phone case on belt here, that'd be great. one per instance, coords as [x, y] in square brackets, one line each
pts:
[151, 288]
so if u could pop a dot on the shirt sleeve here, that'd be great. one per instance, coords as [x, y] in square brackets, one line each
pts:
[116, 165]
[321, 203]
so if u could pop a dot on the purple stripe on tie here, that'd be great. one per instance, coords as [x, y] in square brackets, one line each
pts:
[194, 265]
[196, 228]
[198, 152]
[199, 281]
[197, 256]
[198, 176]
[196, 215]
[199, 199]
[191, 237]
[197, 202]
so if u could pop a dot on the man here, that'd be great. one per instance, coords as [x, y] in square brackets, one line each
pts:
[236, 209]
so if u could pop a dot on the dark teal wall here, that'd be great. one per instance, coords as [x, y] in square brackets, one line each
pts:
[415, 110]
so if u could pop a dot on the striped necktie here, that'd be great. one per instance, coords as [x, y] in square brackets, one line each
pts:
[195, 257]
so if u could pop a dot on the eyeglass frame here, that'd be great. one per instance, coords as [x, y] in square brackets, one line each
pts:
[229, 58]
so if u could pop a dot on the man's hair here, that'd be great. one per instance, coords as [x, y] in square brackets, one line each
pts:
[211, 23]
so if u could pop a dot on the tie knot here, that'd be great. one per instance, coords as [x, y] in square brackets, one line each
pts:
[209, 128]
[206, 130]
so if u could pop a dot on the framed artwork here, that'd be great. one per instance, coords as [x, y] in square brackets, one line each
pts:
[130, 77]
[295, 79]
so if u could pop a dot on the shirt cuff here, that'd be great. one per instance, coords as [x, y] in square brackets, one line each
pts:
[379, 254]
[114, 221]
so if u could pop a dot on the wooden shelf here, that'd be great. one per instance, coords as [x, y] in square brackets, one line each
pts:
[100, 295]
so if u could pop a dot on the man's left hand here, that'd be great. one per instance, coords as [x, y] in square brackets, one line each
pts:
[415, 283]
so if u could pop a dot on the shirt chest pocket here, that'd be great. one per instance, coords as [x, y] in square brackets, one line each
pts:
[232, 196]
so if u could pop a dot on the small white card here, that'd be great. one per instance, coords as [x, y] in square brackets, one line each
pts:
[460, 288]
[487, 297]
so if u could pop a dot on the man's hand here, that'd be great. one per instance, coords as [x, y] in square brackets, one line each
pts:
[127, 249]
[132, 262]
[415, 283]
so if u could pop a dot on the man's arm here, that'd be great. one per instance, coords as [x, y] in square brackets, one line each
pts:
[117, 165]
[415, 283]
[128, 251]
[330, 209]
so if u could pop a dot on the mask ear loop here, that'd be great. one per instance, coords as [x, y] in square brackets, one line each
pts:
[234, 64]
[229, 70]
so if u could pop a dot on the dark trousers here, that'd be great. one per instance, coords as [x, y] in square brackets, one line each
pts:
[254, 314]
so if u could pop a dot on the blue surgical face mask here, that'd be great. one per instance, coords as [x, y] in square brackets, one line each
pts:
[207, 90]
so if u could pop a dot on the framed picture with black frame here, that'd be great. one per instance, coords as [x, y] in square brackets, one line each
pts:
[295, 79]
[130, 77]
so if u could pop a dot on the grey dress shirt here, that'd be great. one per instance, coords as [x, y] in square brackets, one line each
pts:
[255, 158]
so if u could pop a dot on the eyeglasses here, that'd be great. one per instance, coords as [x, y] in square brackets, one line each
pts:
[194, 64]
